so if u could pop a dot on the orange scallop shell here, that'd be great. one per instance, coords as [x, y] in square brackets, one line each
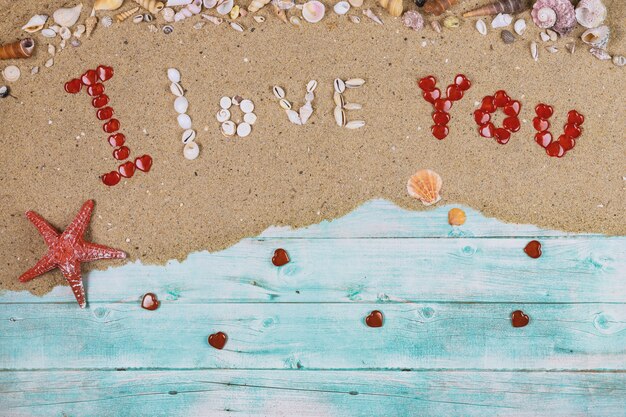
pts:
[456, 217]
[425, 185]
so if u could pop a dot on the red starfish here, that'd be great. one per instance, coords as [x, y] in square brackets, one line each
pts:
[66, 251]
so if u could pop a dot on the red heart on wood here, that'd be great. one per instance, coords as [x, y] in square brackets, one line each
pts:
[117, 139]
[280, 258]
[143, 163]
[104, 72]
[519, 319]
[374, 319]
[127, 169]
[100, 101]
[112, 178]
[533, 249]
[73, 86]
[121, 153]
[218, 340]
[90, 77]
[150, 302]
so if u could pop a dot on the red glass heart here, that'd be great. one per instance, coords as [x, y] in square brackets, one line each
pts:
[127, 169]
[519, 319]
[95, 89]
[432, 96]
[117, 139]
[104, 72]
[111, 126]
[121, 153]
[280, 258]
[488, 105]
[566, 142]
[501, 98]
[104, 113]
[150, 302]
[544, 111]
[575, 118]
[533, 249]
[555, 149]
[481, 117]
[442, 104]
[511, 124]
[487, 130]
[502, 135]
[143, 163]
[439, 131]
[73, 86]
[100, 101]
[111, 178]
[462, 81]
[374, 319]
[89, 78]
[427, 83]
[543, 138]
[441, 118]
[218, 340]
[573, 131]
[540, 124]
[513, 108]
[454, 92]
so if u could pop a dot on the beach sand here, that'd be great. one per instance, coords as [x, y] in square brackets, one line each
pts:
[54, 149]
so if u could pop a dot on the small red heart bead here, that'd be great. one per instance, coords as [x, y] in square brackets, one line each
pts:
[488, 105]
[502, 135]
[73, 86]
[572, 130]
[544, 111]
[513, 108]
[454, 92]
[533, 249]
[117, 139]
[441, 118]
[280, 258]
[487, 130]
[432, 96]
[121, 153]
[374, 319]
[439, 131]
[143, 163]
[104, 72]
[218, 340]
[427, 83]
[111, 178]
[511, 124]
[501, 98]
[481, 117]
[104, 113]
[95, 89]
[555, 149]
[540, 124]
[111, 126]
[543, 138]
[442, 104]
[462, 81]
[519, 319]
[127, 169]
[574, 117]
[566, 142]
[89, 78]
[150, 302]
[100, 101]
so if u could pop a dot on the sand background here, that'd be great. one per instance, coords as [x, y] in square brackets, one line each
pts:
[296, 175]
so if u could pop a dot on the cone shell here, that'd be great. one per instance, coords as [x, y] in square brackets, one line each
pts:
[596, 37]
[120, 17]
[107, 4]
[256, 5]
[557, 15]
[437, 7]
[90, 25]
[153, 6]
[501, 6]
[456, 217]
[425, 185]
[18, 49]
[590, 13]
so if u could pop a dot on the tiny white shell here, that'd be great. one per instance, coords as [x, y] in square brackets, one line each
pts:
[35, 23]
[191, 150]
[246, 106]
[225, 102]
[259, 19]
[305, 112]
[181, 104]
[184, 121]
[236, 100]
[339, 85]
[249, 118]
[519, 26]
[354, 82]
[278, 92]
[236, 26]
[339, 99]
[340, 116]
[209, 4]
[501, 21]
[222, 115]
[168, 14]
[188, 135]
[228, 128]
[11, 73]
[80, 29]
[243, 129]
[341, 7]
[534, 50]
[481, 27]
[352, 106]
[51, 49]
[225, 7]
[311, 86]
[138, 18]
[294, 117]
[619, 60]
[173, 75]
[544, 36]
[49, 63]
[177, 90]
[65, 33]
[355, 124]
[48, 33]
[106, 21]
[309, 96]
[285, 104]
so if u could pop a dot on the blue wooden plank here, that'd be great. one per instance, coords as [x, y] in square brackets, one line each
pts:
[313, 336]
[311, 393]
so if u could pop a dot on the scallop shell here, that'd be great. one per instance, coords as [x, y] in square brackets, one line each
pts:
[107, 4]
[313, 11]
[596, 37]
[35, 23]
[507, 37]
[413, 20]
[590, 13]
[67, 16]
[425, 185]
[456, 217]
[558, 15]
[341, 7]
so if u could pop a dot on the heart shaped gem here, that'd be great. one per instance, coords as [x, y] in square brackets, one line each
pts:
[104, 72]
[462, 81]
[95, 89]
[127, 169]
[432, 96]
[117, 139]
[374, 319]
[441, 118]
[89, 78]
[442, 104]
[143, 163]
[73, 86]
[511, 124]
[533, 249]
[544, 111]
[555, 149]
[111, 126]
[572, 130]
[566, 142]
[502, 135]
[519, 319]
[218, 340]
[543, 138]
[481, 117]
[575, 118]
[454, 92]
[104, 113]
[150, 302]
[439, 131]
[427, 83]
[541, 125]
[112, 178]
[280, 258]
[488, 105]
[487, 130]
[121, 153]
[100, 101]
[513, 108]
[501, 98]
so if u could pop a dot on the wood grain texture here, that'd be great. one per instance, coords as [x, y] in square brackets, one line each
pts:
[312, 393]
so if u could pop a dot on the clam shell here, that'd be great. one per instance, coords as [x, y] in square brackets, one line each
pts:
[340, 116]
[356, 3]
[249, 118]
[106, 21]
[501, 21]
[456, 217]
[341, 8]
[596, 37]
[225, 7]
[191, 150]
[278, 92]
[507, 37]
[188, 135]
[48, 33]
[35, 23]
[226, 102]
[11, 73]
[313, 11]
[246, 106]
[107, 4]
[425, 185]
[481, 27]
[519, 26]
[67, 16]
[355, 124]
[590, 13]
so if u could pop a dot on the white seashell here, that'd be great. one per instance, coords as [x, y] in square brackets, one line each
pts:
[294, 20]
[309, 96]
[311, 86]
[355, 124]
[369, 13]
[173, 75]
[177, 90]
[153, 28]
[62, 44]
[590, 13]
[619, 60]
[246, 106]
[171, 3]
[209, 4]
[35, 23]
[571, 47]
[341, 8]
[228, 128]
[501, 21]
[305, 112]
[51, 49]
[354, 82]
[552, 49]
[75, 43]
[278, 92]
[534, 50]
[259, 19]
[283, 4]
[198, 25]
[599, 53]
[225, 7]
[191, 150]
[544, 36]
[168, 14]
[340, 116]
[181, 104]
[596, 37]
[243, 129]
[34, 70]
[553, 35]
[106, 21]
[313, 11]
[67, 16]
[352, 106]
[236, 26]
[338, 99]
[189, 135]
[225, 102]
[184, 121]
[294, 117]
[285, 104]
[249, 118]
[339, 85]
[519, 26]
[56, 28]
[48, 33]
[194, 8]
[11, 73]
[138, 18]
[222, 115]
[65, 33]
[354, 19]
[356, 3]
[481, 27]
[80, 29]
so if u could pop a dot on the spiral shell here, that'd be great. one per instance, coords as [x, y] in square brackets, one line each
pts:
[153, 6]
[596, 37]
[437, 7]
[107, 4]
[590, 13]
[18, 49]
[413, 20]
[425, 185]
[557, 15]
[256, 5]
[500, 6]
[90, 25]
[120, 17]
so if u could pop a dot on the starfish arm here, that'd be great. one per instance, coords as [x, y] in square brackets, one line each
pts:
[42, 266]
[92, 252]
[71, 272]
[78, 226]
[49, 234]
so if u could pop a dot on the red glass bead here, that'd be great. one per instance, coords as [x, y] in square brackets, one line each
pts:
[540, 124]
[502, 135]
[89, 78]
[443, 104]
[73, 86]
[573, 117]
[511, 124]
[427, 83]
[573, 131]
[513, 108]
[441, 118]
[111, 178]
[487, 130]
[117, 139]
[100, 101]
[481, 117]
[544, 111]
[111, 126]
[501, 98]
[432, 96]
[454, 92]
[543, 138]
[104, 72]
[439, 131]
[488, 105]
[121, 153]
[462, 81]
[104, 113]
[566, 142]
[95, 89]
[555, 149]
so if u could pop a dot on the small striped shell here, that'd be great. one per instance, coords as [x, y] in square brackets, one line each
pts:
[425, 185]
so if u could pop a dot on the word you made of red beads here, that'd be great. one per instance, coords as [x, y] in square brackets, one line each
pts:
[441, 104]
[488, 106]
[571, 131]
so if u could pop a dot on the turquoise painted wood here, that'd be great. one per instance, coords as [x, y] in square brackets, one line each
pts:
[312, 393]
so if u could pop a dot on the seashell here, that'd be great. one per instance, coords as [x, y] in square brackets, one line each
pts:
[18, 49]
[259, 19]
[369, 13]
[519, 26]
[67, 16]
[236, 100]
[56, 28]
[181, 105]
[552, 35]
[52, 49]
[106, 21]
[311, 86]
[285, 104]
[354, 19]
[49, 63]
[11, 73]
[173, 3]
[309, 96]
[62, 44]
[80, 29]
[279, 13]
[65, 33]
[507, 37]
[596, 37]
[354, 82]
[306, 112]
[294, 117]
[339, 85]
[222, 115]
[256, 5]
[213, 19]
[436, 26]
[198, 25]
[619, 60]
[558, 15]
[225, 7]
[590, 13]
[34, 70]
[243, 129]
[153, 28]
[234, 13]
[356, 3]
[341, 8]
[177, 90]
[338, 99]
[481, 27]
[451, 22]
[138, 18]
[352, 106]
[571, 47]
[395, 8]
[601, 54]
[294, 20]
[500, 6]
[501, 21]
[413, 20]
[246, 106]
[456, 217]
[284, 4]
[191, 150]
[226, 102]
[75, 43]
[278, 92]
[184, 121]
[48, 33]
[544, 36]
[534, 50]
[552, 49]
[236, 26]
[313, 11]
[107, 4]
[425, 185]
[340, 116]
[228, 128]
[355, 124]
[209, 4]
[168, 14]
[167, 29]
[153, 6]
[35, 24]
[249, 118]
[437, 7]
[120, 17]
[383, 3]
[90, 24]
[147, 17]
